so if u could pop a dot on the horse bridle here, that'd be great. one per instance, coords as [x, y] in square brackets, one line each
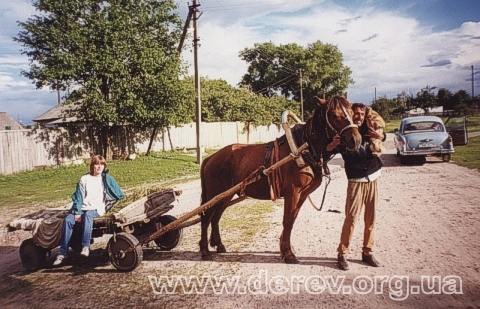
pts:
[350, 125]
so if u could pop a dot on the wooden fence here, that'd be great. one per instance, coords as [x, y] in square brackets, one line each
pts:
[22, 150]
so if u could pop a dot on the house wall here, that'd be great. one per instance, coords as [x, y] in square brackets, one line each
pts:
[24, 150]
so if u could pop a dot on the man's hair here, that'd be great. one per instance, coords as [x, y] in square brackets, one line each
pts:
[95, 160]
[358, 105]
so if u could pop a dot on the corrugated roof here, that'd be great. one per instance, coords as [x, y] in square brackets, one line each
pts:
[54, 113]
[7, 121]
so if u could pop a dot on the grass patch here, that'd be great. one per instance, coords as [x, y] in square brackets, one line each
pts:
[469, 155]
[52, 187]
[391, 125]
[473, 123]
[247, 219]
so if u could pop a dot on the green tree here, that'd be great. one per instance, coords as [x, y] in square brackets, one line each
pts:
[426, 98]
[119, 56]
[461, 102]
[223, 102]
[444, 98]
[385, 107]
[461, 97]
[275, 69]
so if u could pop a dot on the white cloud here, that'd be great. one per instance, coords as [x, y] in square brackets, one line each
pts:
[384, 49]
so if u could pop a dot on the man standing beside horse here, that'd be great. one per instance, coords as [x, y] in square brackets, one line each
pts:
[363, 170]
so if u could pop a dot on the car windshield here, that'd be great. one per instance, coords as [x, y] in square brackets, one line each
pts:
[424, 126]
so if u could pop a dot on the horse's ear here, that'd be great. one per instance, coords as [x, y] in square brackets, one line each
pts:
[345, 95]
[321, 101]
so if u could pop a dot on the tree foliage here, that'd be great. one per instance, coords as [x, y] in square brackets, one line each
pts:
[385, 107]
[460, 101]
[275, 70]
[426, 98]
[223, 102]
[119, 56]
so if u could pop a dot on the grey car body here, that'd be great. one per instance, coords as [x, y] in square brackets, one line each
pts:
[423, 136]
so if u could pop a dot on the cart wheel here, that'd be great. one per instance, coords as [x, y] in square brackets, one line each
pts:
[171, 239]
[446, 157]
[33, 257]
[124, 251]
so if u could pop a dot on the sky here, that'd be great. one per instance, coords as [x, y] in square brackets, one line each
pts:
[390, 45]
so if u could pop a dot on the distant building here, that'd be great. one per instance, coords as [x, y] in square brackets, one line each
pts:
[8, 123]
[55, 117]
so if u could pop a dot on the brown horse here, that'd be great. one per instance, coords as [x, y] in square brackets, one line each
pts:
[232, 164]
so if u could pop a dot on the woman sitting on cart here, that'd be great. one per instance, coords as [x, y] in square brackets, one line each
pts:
[96, 193]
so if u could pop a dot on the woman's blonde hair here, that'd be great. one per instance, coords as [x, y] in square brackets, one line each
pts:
[96, 160]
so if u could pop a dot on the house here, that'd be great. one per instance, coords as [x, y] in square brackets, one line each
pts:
[56, 117]
[8, 123]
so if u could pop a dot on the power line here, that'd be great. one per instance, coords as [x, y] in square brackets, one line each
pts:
[286, 66]
[278, 83]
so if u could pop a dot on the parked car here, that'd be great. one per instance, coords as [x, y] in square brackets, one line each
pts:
[428, 136]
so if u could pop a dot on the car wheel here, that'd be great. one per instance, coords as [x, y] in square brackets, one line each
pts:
[446, 157]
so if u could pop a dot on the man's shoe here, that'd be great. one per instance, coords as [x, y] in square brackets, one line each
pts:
[370, 260]
[59, 260]
[342, 263]
[85, 251]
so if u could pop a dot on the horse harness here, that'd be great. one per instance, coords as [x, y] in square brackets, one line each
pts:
[314, 160]
[271, 157]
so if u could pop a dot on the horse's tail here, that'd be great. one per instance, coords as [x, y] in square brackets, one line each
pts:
[203, 180]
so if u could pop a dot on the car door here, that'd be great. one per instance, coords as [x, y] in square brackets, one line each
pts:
[457, 128]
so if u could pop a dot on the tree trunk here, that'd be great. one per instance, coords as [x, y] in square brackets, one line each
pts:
[154, 133]
[107, 141]
[170, 138]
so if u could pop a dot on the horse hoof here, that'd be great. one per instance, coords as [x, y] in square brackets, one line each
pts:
[221, 249]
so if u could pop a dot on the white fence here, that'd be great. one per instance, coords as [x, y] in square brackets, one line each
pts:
[22, 150]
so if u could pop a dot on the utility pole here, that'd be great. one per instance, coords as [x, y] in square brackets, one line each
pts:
[58, 94]
[185, 29]
[301, 91]
[473, 84]
[198, 102]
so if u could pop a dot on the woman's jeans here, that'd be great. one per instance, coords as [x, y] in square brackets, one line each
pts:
[67, 229]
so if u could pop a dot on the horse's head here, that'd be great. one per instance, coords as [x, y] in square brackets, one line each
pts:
[338, 115]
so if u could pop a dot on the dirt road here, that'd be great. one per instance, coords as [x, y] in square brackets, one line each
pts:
[427, 225]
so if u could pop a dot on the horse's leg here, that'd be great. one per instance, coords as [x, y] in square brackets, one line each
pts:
[293, 201]
[215, 239]
[206, 218]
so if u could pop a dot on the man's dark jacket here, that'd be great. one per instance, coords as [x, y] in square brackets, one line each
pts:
[360, 163]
